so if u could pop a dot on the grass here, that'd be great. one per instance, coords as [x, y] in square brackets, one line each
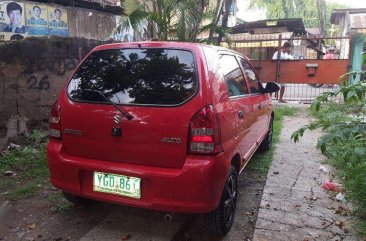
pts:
[29, 165]
[350, 166]
[262, 161]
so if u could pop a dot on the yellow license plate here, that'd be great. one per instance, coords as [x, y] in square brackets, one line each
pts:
[117, 184]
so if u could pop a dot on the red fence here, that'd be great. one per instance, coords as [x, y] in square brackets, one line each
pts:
[309, 74]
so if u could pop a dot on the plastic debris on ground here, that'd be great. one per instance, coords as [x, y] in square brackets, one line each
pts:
[331, 186]
[340, 197]
[323, 169]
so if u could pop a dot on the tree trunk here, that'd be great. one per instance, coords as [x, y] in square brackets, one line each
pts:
[225, 19]
[285, 8]
[215, 20]
[322, 16]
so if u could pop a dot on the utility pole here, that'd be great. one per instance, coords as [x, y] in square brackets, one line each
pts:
[322, 16]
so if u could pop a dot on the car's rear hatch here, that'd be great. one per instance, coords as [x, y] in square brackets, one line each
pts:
[157, 87]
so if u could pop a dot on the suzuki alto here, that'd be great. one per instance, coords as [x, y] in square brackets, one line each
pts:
[166, 126]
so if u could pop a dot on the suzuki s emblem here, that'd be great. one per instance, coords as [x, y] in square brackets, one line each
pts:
[116, 130]
[117, 119]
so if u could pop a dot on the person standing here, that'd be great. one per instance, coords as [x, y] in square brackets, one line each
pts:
[330, 54]
[284, 54]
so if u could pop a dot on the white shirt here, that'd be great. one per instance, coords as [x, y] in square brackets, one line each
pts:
[283, 56]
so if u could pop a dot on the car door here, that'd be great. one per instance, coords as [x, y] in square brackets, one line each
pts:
[260, 101]
[240, 102]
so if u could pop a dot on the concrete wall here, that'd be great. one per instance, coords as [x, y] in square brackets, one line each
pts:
[33, 71]
[90, 24]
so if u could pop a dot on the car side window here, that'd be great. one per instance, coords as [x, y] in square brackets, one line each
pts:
[234, 79]
[254, 84]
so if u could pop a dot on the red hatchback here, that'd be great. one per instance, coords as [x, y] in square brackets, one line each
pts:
[160, 125]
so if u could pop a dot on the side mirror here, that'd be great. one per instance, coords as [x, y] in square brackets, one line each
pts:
[271, 87]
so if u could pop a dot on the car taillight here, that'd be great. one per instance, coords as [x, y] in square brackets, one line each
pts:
[55, 121]
[204, 132]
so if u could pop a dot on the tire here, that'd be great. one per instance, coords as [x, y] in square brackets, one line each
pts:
[76, 200]
[267, 141]
[221, 219]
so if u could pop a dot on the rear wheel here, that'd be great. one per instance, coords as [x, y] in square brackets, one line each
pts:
[76, 200]
[267, 142]
[221, 219]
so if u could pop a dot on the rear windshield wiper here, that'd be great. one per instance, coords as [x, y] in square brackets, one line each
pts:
[121, 110]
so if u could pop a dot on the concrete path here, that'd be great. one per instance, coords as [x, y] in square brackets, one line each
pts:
[294, 206]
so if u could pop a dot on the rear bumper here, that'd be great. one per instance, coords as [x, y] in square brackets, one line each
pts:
[195, 188]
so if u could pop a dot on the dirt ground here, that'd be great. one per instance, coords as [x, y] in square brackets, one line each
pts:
[37, 219]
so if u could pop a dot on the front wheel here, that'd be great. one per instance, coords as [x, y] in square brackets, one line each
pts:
[221, 219]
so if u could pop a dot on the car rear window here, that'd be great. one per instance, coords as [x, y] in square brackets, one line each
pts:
[150, 76]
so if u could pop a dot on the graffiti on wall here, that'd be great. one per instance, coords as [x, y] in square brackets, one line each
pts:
[18, 20]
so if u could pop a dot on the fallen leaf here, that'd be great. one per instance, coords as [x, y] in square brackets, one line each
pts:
[339, 224]
[32, 226]
[276, 172]
[297, 205]
[268, 206]
[127, 237]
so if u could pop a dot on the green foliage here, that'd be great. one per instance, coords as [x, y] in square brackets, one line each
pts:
[345, 140]
[181, 20]
[29, 165]
[261, 162]
[59, 203]
[305, 9]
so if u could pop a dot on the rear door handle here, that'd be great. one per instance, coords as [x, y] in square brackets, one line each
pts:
[241, 114]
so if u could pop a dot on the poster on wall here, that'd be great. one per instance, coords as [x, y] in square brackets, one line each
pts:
[12, 20]
[37, 19]
[58, 25]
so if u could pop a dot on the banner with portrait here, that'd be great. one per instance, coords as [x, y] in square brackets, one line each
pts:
[37, 19]
[57, 22]
[12, 20]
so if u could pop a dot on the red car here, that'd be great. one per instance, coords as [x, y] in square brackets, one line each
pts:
[160, 125]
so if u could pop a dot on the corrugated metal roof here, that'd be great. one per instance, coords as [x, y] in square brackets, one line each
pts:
[294, 25]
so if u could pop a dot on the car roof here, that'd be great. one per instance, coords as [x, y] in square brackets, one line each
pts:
[162, 44]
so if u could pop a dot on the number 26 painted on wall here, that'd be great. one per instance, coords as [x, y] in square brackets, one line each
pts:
[43, 84]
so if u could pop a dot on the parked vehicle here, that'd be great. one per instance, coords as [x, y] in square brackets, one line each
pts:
[160, 125]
